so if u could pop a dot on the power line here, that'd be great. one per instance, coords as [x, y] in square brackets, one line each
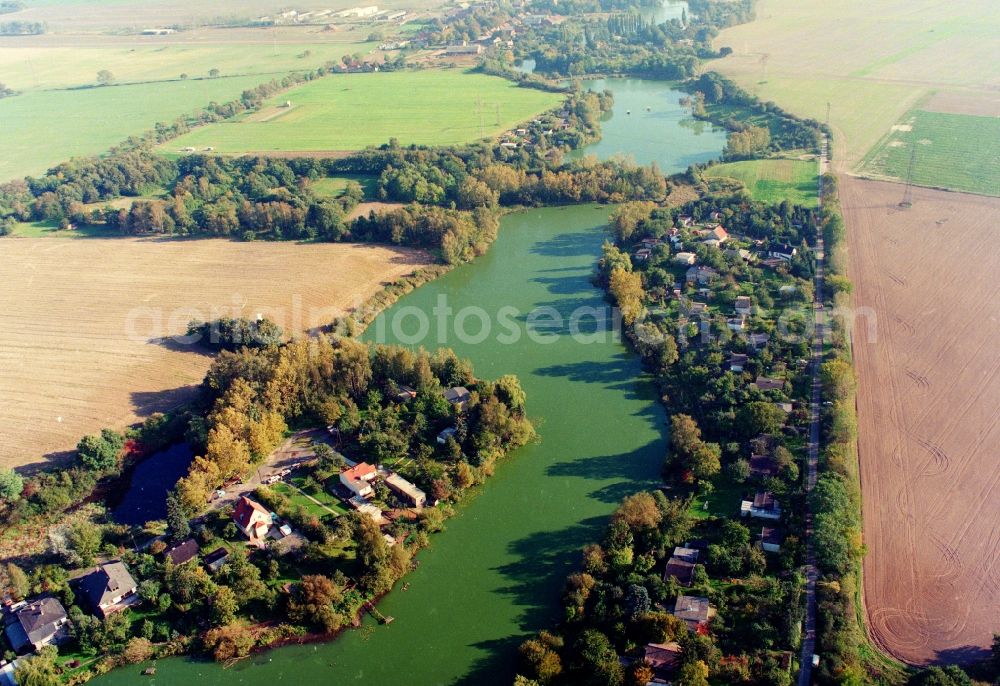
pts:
[907, 201]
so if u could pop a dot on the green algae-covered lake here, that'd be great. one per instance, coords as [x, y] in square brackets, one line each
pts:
[494, 576]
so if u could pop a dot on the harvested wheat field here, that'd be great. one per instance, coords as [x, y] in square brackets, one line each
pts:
[83, 322]
[929, 417]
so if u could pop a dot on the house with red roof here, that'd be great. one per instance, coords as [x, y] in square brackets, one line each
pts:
[358, 478]
[253, 519]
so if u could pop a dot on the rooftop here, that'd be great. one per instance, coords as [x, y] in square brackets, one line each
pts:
[182, 552]
[692, 608]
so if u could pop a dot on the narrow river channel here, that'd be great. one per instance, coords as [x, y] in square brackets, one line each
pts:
[494, 576]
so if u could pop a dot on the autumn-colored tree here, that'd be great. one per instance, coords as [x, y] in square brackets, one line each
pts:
[229, 642]
[626, 287]
[314, 599]
[639, 511]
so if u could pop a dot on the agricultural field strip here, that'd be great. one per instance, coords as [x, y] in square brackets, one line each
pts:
[438, 107]
[953, 151]
[923, 587]
[72, 368]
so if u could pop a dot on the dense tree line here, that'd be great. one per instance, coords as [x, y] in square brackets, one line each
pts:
[755, 127]
[22, 28]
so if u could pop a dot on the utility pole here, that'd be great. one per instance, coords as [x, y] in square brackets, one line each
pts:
[907, 201]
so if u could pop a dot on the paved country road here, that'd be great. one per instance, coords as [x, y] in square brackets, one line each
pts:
[812, 573]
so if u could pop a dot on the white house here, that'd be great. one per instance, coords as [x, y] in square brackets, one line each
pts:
[358, 479]
[763, 506]
[685, 258]
[783, 251]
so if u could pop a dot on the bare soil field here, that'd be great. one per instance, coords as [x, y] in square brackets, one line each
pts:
[86, 331]
[954, 102]
[929, 416]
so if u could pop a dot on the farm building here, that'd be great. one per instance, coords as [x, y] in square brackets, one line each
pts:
[407, 490]
[34, 625]
[109, 588]
[358, 479]
[359, 12]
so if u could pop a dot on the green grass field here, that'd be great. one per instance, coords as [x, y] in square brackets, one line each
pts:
[39, 129]
[334, 186]
[352, 111]
[773, 180]
[954, 151]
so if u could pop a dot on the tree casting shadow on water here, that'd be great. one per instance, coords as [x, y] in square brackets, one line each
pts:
[570, 244]
[544, 559]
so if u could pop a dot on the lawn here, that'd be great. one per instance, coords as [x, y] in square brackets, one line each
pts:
[954, 151]
[298, 500]
[352, 111]
[723, 501]
[39, 129]
[772, 181]
[334, 186]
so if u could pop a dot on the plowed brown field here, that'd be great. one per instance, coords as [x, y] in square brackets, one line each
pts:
[929, 416]
[83, 322]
